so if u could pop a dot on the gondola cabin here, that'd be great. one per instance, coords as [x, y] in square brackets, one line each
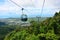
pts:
[24, 17]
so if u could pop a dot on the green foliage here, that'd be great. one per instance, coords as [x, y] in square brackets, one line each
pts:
[4, 30]
[49, 29]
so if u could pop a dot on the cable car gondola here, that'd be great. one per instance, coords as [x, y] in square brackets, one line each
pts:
[23, 16]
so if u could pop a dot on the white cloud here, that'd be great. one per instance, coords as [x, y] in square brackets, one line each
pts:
[33, 6]
[29, 3]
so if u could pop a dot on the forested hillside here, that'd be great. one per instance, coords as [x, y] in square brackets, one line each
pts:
[9, 24]
[5, 29]
[46, 30]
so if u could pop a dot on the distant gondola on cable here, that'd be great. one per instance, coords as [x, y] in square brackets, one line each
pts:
[23, 16]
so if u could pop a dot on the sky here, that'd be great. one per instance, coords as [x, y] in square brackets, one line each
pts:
[32, 8]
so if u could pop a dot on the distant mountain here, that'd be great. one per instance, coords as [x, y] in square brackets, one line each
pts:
[2, 23]
[15, 21]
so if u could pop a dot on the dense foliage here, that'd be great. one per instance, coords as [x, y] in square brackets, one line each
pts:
[46, 30]
[5, 29]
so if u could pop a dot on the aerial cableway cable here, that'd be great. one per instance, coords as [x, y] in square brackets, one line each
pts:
[19, 6]
[41, 10]
[15, 3]
[42, 7]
